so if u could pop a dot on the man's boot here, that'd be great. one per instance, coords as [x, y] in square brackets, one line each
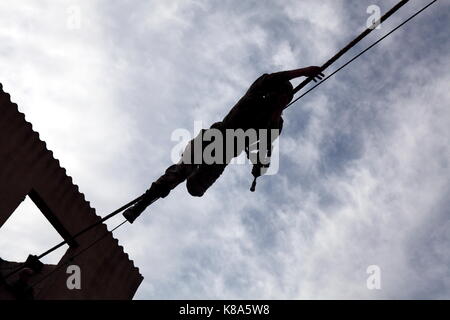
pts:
[151, 195]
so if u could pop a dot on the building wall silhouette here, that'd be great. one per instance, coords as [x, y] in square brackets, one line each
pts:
[27, 167]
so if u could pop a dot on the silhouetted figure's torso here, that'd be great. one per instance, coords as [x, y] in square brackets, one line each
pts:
[258, 109]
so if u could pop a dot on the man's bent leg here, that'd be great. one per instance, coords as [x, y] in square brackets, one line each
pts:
[173, 176]
[203, 178]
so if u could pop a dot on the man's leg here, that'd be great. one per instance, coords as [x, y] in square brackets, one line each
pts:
[203, 178]
[173, 176]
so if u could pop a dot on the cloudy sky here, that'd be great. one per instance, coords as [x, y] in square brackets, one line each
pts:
[364, 159]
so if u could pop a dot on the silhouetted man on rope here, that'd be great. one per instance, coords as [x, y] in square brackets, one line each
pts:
[260, 108]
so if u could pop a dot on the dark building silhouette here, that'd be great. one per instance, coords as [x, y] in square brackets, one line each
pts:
[28, 168]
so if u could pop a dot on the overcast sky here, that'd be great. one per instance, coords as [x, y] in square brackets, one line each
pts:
[364, 159]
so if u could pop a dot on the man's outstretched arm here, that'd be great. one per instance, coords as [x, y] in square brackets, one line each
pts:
[310, 72]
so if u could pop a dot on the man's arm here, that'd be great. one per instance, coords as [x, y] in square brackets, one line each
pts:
[310, 72]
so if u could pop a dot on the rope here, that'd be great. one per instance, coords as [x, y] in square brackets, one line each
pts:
[70, 259]
[362, 52]
[107, 217]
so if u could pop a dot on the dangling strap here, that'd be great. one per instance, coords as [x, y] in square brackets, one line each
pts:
[253, 187]
[256, 172]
